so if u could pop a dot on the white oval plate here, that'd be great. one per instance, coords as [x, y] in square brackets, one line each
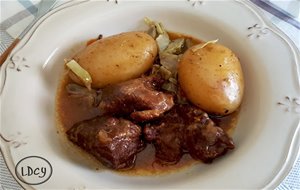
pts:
[267, 135]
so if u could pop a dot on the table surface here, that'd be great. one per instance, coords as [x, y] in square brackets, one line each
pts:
[17, 15]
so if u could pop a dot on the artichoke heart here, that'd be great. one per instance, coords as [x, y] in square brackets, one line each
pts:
[80, 72]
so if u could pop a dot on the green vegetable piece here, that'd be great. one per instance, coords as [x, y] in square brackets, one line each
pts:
[155, 69]
[173, 80]
[160, 34]
[152, 32]
[166, 74]
[148, 21]
[169, 87]
[202, 45]
[176, 46]
[162, 41]
[169, 61]
[160, 28]
[82, 74]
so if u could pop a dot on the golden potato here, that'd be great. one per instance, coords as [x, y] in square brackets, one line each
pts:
[212, 78]
[117, 58]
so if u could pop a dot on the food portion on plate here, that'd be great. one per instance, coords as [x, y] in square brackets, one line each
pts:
[126, 92]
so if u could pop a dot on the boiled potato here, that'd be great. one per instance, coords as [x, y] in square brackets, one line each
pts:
[212, 78]
[117, 58]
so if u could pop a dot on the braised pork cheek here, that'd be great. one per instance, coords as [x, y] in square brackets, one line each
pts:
[187, 128]
[113, 141]
[137, 97]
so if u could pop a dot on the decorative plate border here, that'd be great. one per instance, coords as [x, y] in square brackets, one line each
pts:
[12, 63]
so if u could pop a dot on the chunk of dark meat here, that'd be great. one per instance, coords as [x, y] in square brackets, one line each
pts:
[167, 139]
[137, 97]
[166, 136]
[186, 128]
[205, 141]
[114, 142]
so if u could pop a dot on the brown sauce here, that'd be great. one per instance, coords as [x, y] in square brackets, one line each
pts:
[70, 111]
